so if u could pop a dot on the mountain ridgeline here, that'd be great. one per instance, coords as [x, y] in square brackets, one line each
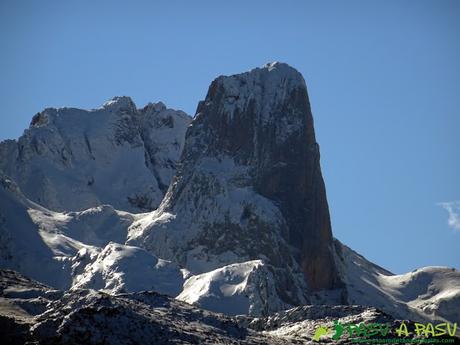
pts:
[72, 159]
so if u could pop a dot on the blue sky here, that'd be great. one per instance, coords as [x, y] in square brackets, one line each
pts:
[383, 79]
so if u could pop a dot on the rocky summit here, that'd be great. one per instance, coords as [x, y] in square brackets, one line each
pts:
[249, 185]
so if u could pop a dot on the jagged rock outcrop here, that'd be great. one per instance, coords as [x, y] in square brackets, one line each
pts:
[249, 186]
[74, 159]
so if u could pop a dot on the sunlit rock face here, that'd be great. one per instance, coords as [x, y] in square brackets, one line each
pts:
[72, 159]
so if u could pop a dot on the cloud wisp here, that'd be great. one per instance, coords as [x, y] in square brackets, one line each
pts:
[453, 209]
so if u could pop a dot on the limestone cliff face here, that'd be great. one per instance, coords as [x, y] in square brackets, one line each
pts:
[249, 184]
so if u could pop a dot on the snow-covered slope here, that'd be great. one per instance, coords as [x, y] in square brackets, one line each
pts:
[95, 226]
[74, 159]
[118, 268]
[75, 249]
[433, 290]
[428, 293]
[41, 254]
[241, 288]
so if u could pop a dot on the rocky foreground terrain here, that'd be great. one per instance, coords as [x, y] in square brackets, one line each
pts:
[33, 313]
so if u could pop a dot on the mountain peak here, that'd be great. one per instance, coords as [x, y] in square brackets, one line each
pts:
[261, 92]
[273, 72]
[154, 107]
[250, 184]
[281, 67]
[120, 103]
[274, 64]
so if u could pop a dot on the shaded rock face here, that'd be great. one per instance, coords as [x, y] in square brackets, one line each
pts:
[249, 181]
